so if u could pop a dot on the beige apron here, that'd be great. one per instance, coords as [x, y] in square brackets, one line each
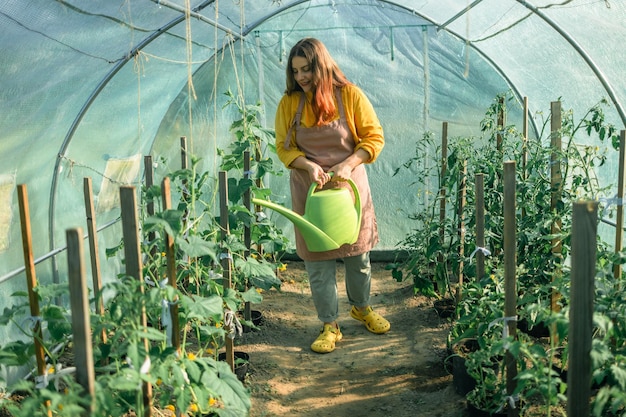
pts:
[328, 145]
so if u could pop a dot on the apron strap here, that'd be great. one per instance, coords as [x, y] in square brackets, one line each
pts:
[294, 122]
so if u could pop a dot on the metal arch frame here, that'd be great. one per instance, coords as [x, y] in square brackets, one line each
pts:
[249, 28]
[442, 26]
[584, 55]
[92, 97]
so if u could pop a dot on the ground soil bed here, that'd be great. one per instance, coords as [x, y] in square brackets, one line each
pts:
[398, 374]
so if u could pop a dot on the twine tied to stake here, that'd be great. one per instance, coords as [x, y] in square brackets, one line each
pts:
[484, 251]
[42, 381]
[505, 328]
[232, 323]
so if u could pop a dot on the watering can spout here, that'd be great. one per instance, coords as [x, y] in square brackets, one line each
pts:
[316, 240]
[330, 218]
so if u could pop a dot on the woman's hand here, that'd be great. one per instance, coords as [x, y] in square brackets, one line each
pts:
[343, 170]
[316, 173]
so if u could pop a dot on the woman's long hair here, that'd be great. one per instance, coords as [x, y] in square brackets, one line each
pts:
[326, 77]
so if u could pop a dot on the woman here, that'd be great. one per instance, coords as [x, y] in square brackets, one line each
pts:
[326, 127]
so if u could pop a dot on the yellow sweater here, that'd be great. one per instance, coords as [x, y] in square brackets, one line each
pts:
[360, 115]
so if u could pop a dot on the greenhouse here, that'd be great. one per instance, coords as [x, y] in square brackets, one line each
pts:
[140, 151]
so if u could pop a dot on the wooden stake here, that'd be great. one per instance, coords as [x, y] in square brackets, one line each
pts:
[149, 175]
[183, 153]
[584, 234]
[81, 324]
[555, 198]
[510, 262]
[461, 196]
[31, 281]
[247, 238]
[226, 259]
[170, 254]
[524, 145]
[619, 220]
[501, 122]
[132, 255]
[442, 197]
[92, 233]
[480, 225]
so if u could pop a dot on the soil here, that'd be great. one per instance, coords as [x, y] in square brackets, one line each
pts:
[401, 373]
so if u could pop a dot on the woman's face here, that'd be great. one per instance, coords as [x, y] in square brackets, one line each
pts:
[302, 73]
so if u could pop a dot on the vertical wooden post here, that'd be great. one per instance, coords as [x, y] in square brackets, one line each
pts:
[171, 263]
[31, 281]
[259, 183]
[226, 258]
[584, 234]
[510, 261]
[92, 234]
[619, 220]
[555, 198]
[184, 165]
[461, 209]
[524, 146]
[480, 225]
[81, 324]
[247, 238]
[149, 174]
[183, 152]
[442, 196]
[501, 123]
[132, 255]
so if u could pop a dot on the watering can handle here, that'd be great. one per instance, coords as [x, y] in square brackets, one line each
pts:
[355, 190]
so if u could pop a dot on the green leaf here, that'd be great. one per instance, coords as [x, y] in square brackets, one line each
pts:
[258, 274]
[620, 376]
[194, 247]
[203, 307]
[235, 396]
[169, 220]
[252, 296]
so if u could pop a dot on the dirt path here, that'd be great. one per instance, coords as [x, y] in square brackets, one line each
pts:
[398, 374]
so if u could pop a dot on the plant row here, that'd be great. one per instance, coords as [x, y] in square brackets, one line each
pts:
[442, 261]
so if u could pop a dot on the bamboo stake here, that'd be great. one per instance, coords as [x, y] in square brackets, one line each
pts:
[247, 238]
[226, 259]
[132, 255]
[31, 281]
[480, 225]
[619, 220]
[171, 264]
[92, 233]
[81, 324]
[442, 194]
[584, 233]
[510, 261]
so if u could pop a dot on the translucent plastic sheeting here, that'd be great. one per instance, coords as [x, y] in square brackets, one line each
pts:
[85, 83]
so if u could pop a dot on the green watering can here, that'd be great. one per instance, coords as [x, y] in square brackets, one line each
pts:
[330, 217]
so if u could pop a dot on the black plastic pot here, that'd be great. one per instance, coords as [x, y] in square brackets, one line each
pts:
[255, 316]
[533, 329]
[242, 363]
[445, 307]
[473, 411]
[461, 380]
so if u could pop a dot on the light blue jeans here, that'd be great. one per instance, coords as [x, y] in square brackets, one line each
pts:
[323, 281]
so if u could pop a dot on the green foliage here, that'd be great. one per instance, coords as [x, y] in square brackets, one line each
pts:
[129, 354]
